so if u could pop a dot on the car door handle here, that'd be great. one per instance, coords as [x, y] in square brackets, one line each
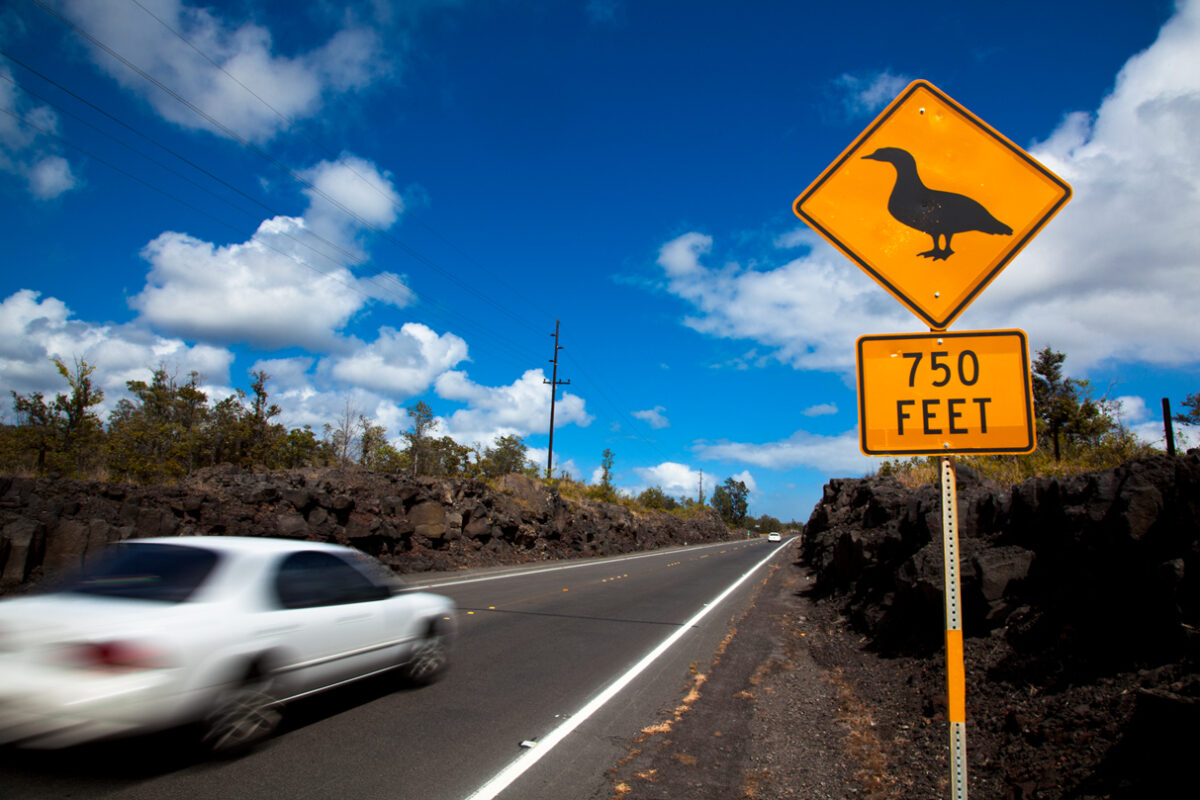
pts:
[277, 630]
[354, 618]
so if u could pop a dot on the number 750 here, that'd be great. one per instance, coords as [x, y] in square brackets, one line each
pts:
[968, 364]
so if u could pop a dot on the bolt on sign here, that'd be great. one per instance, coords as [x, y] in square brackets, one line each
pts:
[931, 202]
[937, 393]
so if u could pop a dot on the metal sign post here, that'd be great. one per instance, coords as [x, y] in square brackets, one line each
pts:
[956, 685]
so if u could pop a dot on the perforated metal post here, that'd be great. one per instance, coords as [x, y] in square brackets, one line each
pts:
[955, 672]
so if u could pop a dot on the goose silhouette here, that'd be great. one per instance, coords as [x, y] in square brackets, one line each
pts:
[939, 214]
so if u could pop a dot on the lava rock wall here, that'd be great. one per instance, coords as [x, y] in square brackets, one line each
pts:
[1092, 572]
[413, 524]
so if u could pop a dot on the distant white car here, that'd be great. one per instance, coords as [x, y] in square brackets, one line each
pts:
[219, 631]
[774, 536]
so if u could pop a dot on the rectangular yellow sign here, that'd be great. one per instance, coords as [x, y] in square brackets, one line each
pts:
[945, 393]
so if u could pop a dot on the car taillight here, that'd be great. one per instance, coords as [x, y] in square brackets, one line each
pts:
[118, 655]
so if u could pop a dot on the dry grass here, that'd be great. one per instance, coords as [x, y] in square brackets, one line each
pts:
[863, 744]
[753, 784]
[1012, 470]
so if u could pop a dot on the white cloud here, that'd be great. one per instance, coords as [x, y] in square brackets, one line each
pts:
[810, 309]
[680, 257]
[653, 417]
[282, 287]
[674, 478]
[833, 455]
[50, 177]
[867, 94]
[348, 194]
[26, 149]
[287, 374]
[1113, 276]
[821, 410]
[403, 362]
[248, 72]
[33, 331]
[521, 408]
[317, 408]
[1130, 408]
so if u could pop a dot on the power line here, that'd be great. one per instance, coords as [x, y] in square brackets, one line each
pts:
[291, 125]
[170, 196]
[353, 259]
[247, 144]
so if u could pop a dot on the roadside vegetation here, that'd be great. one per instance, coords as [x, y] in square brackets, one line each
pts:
[168, 428]
[1076, 432]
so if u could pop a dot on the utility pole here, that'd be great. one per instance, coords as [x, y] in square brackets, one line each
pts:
[554, 383]
[701, 487]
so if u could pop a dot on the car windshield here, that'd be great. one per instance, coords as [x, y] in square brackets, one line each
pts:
[167, 573]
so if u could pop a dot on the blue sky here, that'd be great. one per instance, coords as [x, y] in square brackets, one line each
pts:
[385, 202]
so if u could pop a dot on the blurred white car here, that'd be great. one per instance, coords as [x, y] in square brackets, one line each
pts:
[219, 631]
[774, 536]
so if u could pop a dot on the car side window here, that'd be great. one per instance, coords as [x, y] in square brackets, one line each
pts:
[311, 578]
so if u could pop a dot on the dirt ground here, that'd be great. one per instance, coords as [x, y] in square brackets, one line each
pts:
[795, 705]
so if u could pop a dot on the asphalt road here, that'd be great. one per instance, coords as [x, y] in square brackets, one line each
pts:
[535, 647]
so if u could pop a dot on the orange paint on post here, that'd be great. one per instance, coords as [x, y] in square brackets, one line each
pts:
[955, 677]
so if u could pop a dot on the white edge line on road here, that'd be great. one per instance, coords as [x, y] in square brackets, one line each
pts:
[594, 563]
[503, 779]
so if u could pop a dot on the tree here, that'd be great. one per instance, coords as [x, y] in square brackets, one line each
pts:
[222, 436]
[301, 449]
[35, 432]
[165, 430]
[765, 524]
[1192, 415]
[371, 444]
[418, 437]
[81, 431]
[505, 457]
[656, 498]
[446, 458]
[264, 440]
[342, 438]
[605, 490]
[606, 464]
[730, 501]
[1064, 406]
[65, 434]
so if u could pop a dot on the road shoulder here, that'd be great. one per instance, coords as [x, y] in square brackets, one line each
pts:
[761, 720]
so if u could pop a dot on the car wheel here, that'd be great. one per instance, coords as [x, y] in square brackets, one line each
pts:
[244, 716]
[428, 661]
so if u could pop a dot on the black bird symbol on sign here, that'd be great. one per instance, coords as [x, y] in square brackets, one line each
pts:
[940, 214]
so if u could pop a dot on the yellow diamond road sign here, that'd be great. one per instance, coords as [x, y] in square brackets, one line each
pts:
[945, 393]
[931, 202]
